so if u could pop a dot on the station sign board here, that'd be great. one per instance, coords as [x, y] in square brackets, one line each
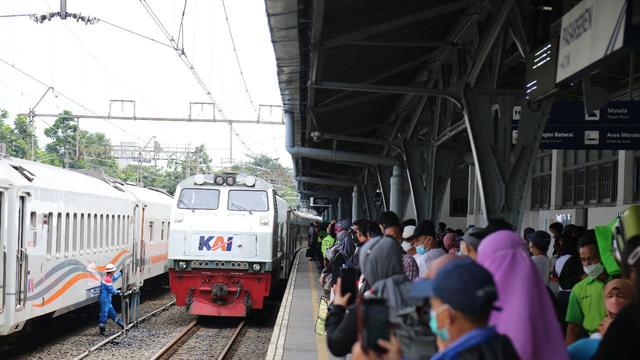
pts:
[320, 202]
[613, 127]
[591, 31]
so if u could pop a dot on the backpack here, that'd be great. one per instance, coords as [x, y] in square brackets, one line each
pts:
[412, 330]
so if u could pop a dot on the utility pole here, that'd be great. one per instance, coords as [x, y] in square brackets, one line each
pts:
[230, 144]
[33, 135]
[77, 136]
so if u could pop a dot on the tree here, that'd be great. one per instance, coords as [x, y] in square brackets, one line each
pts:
[63, 139]
[17, 138]
[268, 168]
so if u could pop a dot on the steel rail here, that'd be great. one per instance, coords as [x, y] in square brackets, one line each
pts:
[234, 337]
[168, 350]
[114, 336]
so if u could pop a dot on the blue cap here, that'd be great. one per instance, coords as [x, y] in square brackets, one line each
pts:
[464, 285]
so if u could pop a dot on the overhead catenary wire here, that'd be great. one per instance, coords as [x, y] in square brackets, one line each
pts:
[235, 52]
[181, 54]
[64, 96]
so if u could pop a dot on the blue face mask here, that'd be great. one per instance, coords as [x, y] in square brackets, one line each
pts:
[443, 334]
[420, 249]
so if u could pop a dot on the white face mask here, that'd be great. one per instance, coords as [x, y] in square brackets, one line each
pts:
[593, 270]
[406, 245]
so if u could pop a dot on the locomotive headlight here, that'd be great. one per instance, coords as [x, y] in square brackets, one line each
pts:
[199, 179]
[182, 265]
[219, 180]
[250, 180]
[255, 267]
[231, 181]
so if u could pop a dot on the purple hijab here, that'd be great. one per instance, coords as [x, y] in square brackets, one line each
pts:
[528, 317]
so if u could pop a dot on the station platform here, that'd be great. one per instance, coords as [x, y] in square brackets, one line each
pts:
[294, 335]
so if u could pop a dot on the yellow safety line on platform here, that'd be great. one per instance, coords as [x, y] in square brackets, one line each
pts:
[320, 343]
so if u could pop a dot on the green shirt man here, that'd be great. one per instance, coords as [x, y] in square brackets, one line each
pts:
[586, 303]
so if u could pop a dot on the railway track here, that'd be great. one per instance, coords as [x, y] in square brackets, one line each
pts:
[119, 333]
[192, 328]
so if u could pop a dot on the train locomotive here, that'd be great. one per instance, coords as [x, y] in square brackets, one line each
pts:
[232, 238]
[59, 228]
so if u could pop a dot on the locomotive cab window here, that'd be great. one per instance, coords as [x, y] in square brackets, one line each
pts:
[248, 200]
[199, 199]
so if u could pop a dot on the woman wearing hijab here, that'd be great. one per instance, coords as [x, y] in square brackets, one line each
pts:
[527, 316]
[618, 293]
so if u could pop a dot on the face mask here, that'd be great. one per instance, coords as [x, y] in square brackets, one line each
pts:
[420, 249]
[593, 270]
[443, 334]
[406, 246]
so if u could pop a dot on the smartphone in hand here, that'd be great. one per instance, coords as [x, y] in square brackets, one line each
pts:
[348, 284]
[373, 323]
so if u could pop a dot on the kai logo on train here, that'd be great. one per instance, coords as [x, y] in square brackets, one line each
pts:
[215, 243]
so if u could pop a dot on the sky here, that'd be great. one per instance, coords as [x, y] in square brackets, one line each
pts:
[94, 64]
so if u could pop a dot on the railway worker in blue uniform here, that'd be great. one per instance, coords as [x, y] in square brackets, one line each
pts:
[106, 291]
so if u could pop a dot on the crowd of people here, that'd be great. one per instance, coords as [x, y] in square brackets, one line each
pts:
[565, 292]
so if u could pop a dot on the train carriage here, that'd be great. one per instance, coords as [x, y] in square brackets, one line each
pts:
[59, 228]
[232, 237]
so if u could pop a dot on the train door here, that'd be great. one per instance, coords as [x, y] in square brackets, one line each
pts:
[141, 253]
[22, 260]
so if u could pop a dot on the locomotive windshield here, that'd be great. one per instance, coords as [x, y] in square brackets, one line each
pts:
[199, 199]
[248, 200]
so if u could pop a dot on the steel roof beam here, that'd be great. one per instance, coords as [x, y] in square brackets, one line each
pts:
[425, 43]
[489, 41]
[390, 89]
[324, 181]
[396, 23]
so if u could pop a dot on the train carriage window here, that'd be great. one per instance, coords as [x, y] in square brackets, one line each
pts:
[248, 200]
[114, 235]
[74, 245]
[162, 231]
[58, 234]
[168, 228]
[67, 233]
[128, 229]
[47, 227]
[95, 232]
[107, 235]
[32, 224]
[82, 237]
[118, 231]
[101, 233]
[199, 199]
[150, 231]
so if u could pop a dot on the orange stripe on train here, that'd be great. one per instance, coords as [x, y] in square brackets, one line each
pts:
[114, 260]
[158, 258]
[66, 287]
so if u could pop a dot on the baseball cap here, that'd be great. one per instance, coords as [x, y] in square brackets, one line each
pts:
[464, 285]
[425, 228]
[407, 232]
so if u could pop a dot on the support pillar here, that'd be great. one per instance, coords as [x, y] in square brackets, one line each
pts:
[395, 191]
[355, 204]
[501, 169]
[625, 177]
[557, 163]
[340, 214]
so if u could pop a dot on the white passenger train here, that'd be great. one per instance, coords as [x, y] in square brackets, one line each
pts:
[231, 238]
[59, 228]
